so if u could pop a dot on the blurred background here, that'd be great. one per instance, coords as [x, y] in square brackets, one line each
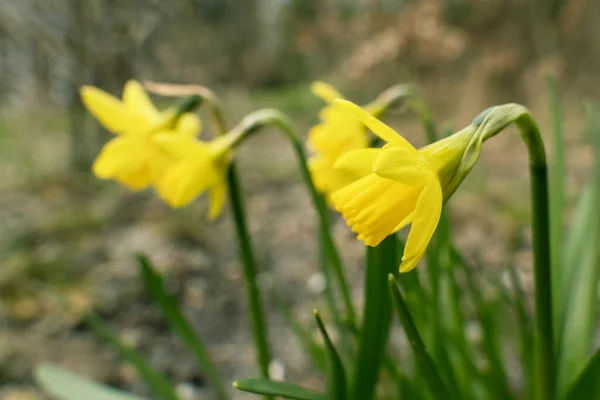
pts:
[61, 229]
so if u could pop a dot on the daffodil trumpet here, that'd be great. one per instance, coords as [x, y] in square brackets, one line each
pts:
[398, 185]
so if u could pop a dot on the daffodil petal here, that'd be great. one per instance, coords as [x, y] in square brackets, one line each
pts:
[426, 218]
[409, 265]
[325, 91]
[358, 162]
[379, 128]
[217, 198]
[403, 165]
[184, 181]
[136, 99]
[111, 112]
[124, 159]
[189, 125]
[182, 146]
[405, 222]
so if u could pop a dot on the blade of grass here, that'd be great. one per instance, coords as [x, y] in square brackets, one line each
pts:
[181, 325]
[557, 203]
[487, 319]
[157, 383]
[587, 384]
[424, 360]
[324, 263]
[276, 388]
[66, 385]
[449, 313]
[377, 314]
[387, 361]
[337, 376]
[581, 308]
[525, 326]
[318, 355]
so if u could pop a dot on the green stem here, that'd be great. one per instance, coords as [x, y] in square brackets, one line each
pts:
[253, 298]
[545, 368]
[249, 269]
[375, 328]
[258, 119]
[494, 121]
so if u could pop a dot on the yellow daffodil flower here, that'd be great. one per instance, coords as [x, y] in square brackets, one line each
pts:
[132, 158]
[200, 166]
[400, 185]
[337, 134]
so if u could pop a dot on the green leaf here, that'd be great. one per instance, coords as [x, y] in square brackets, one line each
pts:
[274, 388]
[337, 376]
[310, 345]
[326, 269]
[486, 310]
[557, 202]
[181, 326]
[157, 383]
[525, 327]
[582, 259]
[66, 385]
[424, 361]
[587, 384]
[381, 261]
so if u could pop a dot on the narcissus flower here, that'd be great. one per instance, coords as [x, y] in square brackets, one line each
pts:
[400, 186]
[200, 166]
[338, 133]
[132, 158]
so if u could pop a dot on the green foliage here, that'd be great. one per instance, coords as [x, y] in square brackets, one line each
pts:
[157, 383]
[587, 383]
[581, 272]
[274, 388]
[336, 373]
[65, 385]
[180, 325]
[381, 261]
[465, 327]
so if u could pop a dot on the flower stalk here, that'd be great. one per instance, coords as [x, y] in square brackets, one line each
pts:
[250, 124]
[488, 124]
[249, 269]
[245, 246]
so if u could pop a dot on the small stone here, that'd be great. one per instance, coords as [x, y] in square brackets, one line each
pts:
[131, 337]
[276, 370]
[194, 293]
[127, 373]
[198, 260]
[233, 271]
[316, 284]
[187, 391]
